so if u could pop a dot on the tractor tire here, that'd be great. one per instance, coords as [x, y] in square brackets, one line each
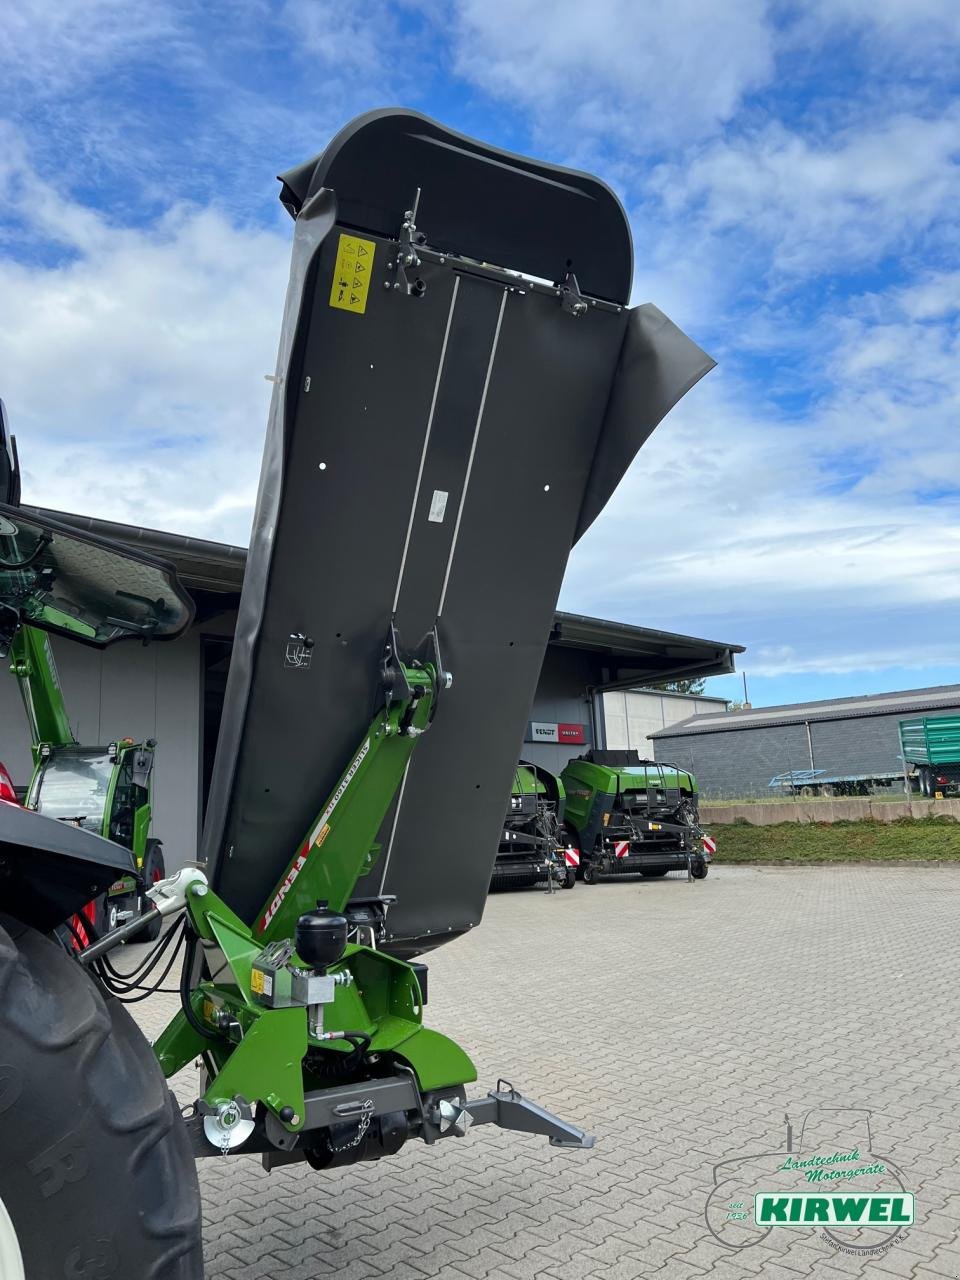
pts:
[569, 878]
[699, 867]
[97, 1178]
[590, 875]
[154, 870]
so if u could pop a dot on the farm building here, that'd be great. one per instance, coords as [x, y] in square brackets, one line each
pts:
[736, 754]
[174, 692]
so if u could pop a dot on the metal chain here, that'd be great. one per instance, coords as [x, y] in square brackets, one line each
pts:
[362, 1128]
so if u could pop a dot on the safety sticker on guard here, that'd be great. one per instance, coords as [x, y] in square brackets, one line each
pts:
[351, 275]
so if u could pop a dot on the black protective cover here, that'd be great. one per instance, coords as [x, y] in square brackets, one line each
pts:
[484, 390]
[50, 869]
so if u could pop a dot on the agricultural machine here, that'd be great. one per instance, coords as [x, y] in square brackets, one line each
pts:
[532, 849]
[633, 816]
[101, 789]
[428, 375]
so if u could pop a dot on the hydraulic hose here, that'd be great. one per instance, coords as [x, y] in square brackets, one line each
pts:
[185, 974]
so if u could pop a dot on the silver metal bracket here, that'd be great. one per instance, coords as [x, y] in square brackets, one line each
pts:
[409, 242]
[571, 299]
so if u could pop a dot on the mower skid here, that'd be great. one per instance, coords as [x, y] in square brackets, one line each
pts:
[508, 1109]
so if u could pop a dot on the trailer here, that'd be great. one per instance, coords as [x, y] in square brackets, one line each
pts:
[931, 744]
[819, 782]
[456, 341]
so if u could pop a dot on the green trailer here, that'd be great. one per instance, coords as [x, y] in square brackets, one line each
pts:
[932, 745]
[630, 816]
[457, 341]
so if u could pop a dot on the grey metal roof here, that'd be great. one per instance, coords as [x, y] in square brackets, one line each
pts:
[630, 654]
[903, 702]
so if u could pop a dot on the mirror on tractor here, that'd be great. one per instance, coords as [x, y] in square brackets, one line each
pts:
[9, 466]
[75, 584]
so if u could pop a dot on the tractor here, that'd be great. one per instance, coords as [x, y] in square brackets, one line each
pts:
[101, 789]
[630, 816]
[457, 339]
[531, 851]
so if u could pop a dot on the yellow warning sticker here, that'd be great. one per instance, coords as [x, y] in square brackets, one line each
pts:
[324, 832]
[256, 981]
[351, 275]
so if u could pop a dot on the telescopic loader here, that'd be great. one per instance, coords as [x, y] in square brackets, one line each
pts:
[437, 401]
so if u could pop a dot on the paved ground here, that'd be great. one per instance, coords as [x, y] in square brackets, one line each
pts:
[680, 1023]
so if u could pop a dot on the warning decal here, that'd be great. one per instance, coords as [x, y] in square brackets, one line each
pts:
[351, 275]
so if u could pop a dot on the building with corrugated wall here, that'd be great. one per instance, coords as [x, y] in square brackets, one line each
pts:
[630, 716]
[735, 754]
[174, 692]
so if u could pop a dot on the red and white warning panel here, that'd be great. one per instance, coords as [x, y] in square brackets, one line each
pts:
[709, 846]
[621, 848]
[571, 856]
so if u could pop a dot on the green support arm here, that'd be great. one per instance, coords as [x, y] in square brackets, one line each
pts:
[339, 848]
[33, 665]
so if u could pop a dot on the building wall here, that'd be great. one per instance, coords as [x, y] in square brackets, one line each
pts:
[130, 690]
[741, 762]
[562, 697]
[136, 691]
[631, 715]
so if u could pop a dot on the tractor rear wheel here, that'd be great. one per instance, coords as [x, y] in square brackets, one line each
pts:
[97, 1177]
[153, 872]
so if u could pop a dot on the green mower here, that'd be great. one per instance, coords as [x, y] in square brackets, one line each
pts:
[630, 816]
[385, 660]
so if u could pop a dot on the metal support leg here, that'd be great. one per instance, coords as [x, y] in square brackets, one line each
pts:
[505, 1107]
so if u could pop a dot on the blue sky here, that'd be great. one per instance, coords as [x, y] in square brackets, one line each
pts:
[792, 175]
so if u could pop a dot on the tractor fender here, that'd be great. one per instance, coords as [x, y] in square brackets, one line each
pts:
[49, 869]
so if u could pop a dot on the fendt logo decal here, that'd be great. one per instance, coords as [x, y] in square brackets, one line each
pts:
[317, 837]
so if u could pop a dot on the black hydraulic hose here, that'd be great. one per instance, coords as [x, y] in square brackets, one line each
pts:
[360, 1041]
[185, 974]
[135, 977]
[122, 993]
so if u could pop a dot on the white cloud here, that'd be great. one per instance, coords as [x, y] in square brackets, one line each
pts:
[50, 45]
[819, 204]
[633, 74]
[133, 371]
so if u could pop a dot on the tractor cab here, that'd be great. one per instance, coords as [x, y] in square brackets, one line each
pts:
[101, 789]
[105, 790]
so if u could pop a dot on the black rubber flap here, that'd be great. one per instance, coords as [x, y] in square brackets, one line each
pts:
[475, 200]
[428, 459]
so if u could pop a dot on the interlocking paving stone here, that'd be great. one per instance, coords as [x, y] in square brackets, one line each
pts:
[680, 1023]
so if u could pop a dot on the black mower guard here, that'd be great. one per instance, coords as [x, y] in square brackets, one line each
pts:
[50, 869]
[432, 413]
